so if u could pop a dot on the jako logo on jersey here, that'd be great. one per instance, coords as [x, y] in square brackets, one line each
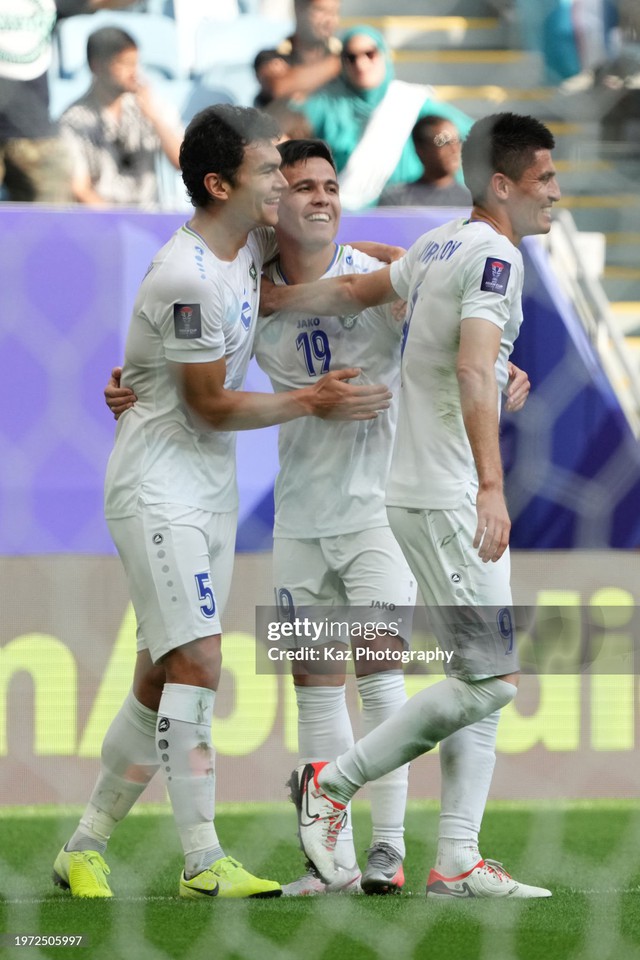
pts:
[245, 314]
[495, 276]
[382, 605]
[187, 321]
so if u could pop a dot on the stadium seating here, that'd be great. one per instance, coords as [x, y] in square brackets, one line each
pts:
[235, 42]
[64, 91]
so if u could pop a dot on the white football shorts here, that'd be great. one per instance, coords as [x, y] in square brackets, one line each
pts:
[470, 605]
[179, 562]
[365, 570]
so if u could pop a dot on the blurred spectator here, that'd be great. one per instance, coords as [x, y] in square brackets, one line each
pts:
[578, 36]
[33, 162]
[116, 131]
[573, 36]
[306, 60]
[293, 125]
[439, 147]
[366, 116]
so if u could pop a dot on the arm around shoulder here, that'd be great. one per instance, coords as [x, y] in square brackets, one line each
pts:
[329, 298]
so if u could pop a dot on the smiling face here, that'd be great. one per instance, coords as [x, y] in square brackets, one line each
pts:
[258, 185]
[310, 206]
[531, 197]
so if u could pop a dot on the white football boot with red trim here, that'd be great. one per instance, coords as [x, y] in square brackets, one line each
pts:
[486, 880]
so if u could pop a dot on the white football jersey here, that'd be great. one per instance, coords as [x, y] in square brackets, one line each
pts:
[332, 474]
[457, 271]
[191, 308]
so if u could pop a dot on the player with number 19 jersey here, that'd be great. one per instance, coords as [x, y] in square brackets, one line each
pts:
[332, 474]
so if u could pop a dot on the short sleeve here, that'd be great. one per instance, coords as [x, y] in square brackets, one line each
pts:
[401, 271]
[190, 323]
[491, 280]
[75, 143]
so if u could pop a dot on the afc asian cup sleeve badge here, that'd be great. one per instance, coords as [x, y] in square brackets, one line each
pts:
[495, 276]
[187, 321]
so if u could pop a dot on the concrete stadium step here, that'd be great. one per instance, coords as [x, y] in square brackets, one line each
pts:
[626, 313]
[632, 343]
[623, 248]
[477, 101]
[618, 213]
[436, 33]
[621, 288]
[511, 68]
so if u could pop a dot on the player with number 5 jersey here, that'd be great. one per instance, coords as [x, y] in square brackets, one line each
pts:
[171, 495]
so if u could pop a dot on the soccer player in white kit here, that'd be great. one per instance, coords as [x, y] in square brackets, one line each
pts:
[332, 542]
[171, 497]
[463, 284]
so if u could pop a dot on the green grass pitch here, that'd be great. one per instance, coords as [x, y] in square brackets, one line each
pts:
[587, 853]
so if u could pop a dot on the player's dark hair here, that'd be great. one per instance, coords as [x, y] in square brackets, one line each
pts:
[501, 143]
[424, 123]
[214, 142]
[298, 151]
[105, 44]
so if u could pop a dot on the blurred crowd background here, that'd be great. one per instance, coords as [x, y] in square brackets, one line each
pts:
[95, 95]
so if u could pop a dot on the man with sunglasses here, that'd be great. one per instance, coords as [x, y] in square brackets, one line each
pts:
[367, 112]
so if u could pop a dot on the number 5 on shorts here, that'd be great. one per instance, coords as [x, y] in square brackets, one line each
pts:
[205, 592]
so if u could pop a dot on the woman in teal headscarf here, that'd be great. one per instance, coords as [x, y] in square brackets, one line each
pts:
[367, 101]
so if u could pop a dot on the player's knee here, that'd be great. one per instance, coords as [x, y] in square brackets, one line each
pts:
[477, 699]
[499, 692]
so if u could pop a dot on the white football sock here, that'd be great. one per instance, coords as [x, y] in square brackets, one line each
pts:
[128, 762]
[467, 759]
[428, 717]
[183, 741]
[324, 724]
[382, 695]
[324, 732]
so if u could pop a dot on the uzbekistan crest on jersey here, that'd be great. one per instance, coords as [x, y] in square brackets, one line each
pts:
[495, 276]
[187, 321]
[349, 322]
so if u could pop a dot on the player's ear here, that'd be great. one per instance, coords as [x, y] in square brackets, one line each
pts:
[500, 184]
[216, 186]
